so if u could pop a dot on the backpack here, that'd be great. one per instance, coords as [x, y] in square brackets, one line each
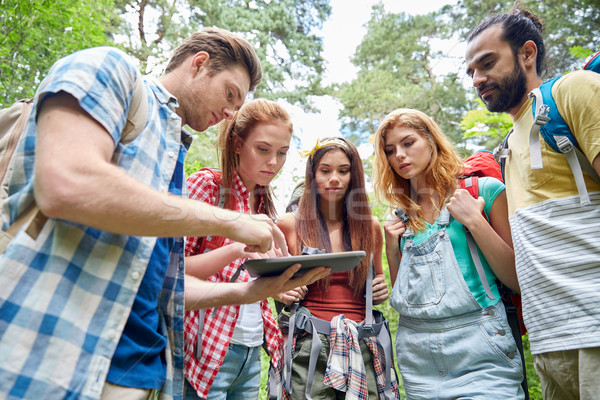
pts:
[13, 121]
[12, 124]
[556, 132]
[295, 197]
[480, 164]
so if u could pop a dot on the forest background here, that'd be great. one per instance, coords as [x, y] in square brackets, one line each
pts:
[395, 61]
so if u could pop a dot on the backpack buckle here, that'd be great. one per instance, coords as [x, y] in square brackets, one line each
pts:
[542, 109]
[541, 119]
[564, 144]
[501, 152]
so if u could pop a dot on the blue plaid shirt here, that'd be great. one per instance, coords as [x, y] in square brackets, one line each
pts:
[65, 295]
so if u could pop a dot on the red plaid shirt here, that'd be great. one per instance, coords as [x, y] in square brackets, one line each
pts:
[218, 328]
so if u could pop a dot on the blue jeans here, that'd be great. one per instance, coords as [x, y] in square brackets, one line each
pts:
[237, 379]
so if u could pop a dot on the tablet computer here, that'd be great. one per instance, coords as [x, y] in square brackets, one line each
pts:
[342, 261]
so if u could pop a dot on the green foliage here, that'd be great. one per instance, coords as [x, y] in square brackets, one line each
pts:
[282, 32]
[581, 52]
[560, 33]
[36, 33]
[395, 61]
[488, 128]
[202, 152]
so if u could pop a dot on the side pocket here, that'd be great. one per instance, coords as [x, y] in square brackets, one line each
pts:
[501, 341]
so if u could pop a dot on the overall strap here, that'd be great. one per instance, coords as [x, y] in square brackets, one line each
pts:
[444, 218]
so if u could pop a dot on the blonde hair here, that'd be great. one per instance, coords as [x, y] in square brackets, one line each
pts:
[244, 120]
[441, 175]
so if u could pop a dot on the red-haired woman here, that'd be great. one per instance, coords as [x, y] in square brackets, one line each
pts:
[453, 339]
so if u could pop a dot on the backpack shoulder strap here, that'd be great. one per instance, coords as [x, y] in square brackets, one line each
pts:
[20, 112]
[549, 123]
[209, 243]
[471, 184]
[218, 176]
[137, 117]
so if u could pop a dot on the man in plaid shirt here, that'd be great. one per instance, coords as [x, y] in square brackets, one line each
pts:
[95, 294]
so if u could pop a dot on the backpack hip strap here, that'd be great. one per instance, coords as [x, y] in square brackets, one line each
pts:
[301, 322]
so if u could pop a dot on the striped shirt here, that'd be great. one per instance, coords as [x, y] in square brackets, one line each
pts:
[67, 293]
[556, 240]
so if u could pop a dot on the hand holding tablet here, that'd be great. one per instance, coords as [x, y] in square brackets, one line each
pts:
[342, 261]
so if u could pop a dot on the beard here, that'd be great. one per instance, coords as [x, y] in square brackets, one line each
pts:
[511, 90]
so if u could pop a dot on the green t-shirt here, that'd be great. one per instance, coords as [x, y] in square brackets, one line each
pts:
[489, 189]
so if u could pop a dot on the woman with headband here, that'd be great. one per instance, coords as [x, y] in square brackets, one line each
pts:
[333, 215]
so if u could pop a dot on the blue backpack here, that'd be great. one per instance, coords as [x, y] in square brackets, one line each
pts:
[556, 132]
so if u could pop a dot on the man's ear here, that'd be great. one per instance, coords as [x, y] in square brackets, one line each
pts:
[528, 53]
[200, 60]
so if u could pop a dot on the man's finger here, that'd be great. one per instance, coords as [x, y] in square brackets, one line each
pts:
[279, 240]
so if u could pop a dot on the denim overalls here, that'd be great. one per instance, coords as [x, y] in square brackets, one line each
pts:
[448, 347]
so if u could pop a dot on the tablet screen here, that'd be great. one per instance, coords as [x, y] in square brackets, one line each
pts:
[342, 261]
